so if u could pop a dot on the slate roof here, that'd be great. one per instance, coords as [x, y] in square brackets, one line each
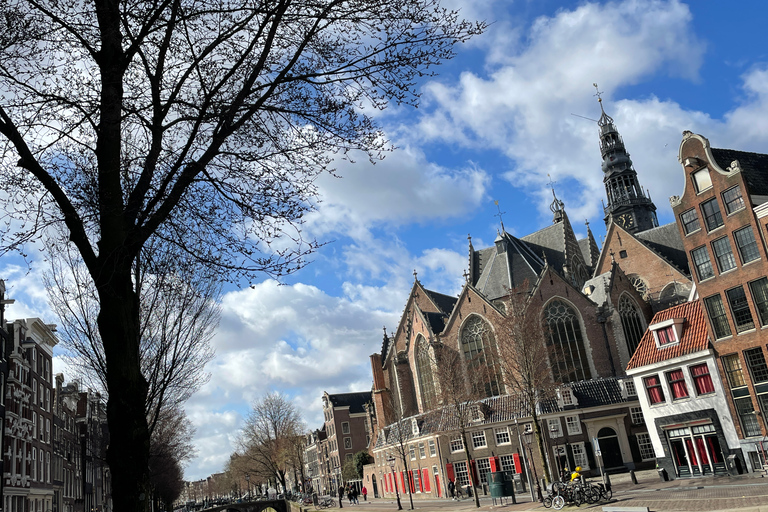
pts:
[585, 253]
[694, 337]
[505, 408]
[666, 242]
[551, 241]
[354, 401]
[436, 321]
[498, 273]
[754, 166]
[444, 302]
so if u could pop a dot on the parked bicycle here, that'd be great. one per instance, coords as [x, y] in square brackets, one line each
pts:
[560, 494]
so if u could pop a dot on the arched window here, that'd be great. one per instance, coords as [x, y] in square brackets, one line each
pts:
[570, 356]
[640, 285]
[476, 338]
[631, 323]
[425, 374]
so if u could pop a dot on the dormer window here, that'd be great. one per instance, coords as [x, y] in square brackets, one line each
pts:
[668, 332]
[701, 180]
[566, 396]
[415, 427]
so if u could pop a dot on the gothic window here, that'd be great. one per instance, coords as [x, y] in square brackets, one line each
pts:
[631, 323]
[640, 285]
[476, 338]
[569, 353]
[425, 374]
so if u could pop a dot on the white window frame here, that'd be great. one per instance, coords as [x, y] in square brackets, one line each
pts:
[422, 451]
[557, 431]
[507, 462]
[636, 413]
[478, 439]
[457, 444]
[432, 448]
[460, 469]
[573, 424]
[580, 455]
[645, 446]
[483, 468]
[345, 427]
[412, 452]
[502, 436]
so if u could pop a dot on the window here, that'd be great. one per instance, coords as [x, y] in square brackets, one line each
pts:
[701, 180]
[631, 324]
[507, 463]
[690, 221]
[717, 316]
[653, 387]
[502, 435]
[566, 395]
[483, 468]
[723, 254]
[425, 374]
[412, 451]
[676, 381]
[712, 216]
[666, 335]
[733, 200]
[462, 477]
[347, 443]
[746, 244]
[742, 316]
[422, 451]
[701, 261]
[760, 299]
[476, 338]
[622, 254]
[646, 446]
[756, 364]
[636, 414]
[555, 429]
[457, 445]
[416, 480]
[733, 370]
[580, 455]
[478, 439]
[573, 425]
[571, 362]
[746, 412]
[432, 449]
[345, 427]
[629, 385]
[702, 381]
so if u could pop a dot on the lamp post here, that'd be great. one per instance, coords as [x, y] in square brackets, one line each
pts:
[391, 461]
[248, 483]
[527, 436]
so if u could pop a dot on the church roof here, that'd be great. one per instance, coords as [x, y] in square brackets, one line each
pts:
[598, 288]
[436, 321]
[753, 165]
[666, 242]
[444, 302]
[551, 241]
[500, 271]
[355, 401]
[694, 337]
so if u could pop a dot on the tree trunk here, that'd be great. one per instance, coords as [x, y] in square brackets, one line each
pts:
[469, 469]
[540, 443]
[128, 452]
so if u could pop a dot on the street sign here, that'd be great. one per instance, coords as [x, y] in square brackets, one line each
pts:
[596, 446]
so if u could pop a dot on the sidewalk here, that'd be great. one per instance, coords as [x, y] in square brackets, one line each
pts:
[745, 493]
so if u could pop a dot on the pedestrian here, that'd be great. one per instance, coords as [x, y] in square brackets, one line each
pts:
[349, 495]
[564, 475]
[365, 494]
[341, 496]
[355, 494]
[451, 489]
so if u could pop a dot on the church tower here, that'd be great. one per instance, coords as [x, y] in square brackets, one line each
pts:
[628, 206]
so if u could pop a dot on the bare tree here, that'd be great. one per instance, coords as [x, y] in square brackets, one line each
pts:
[179, 314]
[200, 123]
[525, 358]
[269, 436]
[397, 435]
[171, 449]
[463, 383]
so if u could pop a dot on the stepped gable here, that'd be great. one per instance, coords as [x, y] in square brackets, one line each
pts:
[694, 337]
[753, 165]
[507, 265]
[355, 401]
[666, 242]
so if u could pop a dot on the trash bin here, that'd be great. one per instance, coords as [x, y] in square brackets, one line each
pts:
[663, 476]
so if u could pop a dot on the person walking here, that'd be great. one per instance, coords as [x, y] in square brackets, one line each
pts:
[451, 489]
[341, 496]
[365, 494]
[355, 494]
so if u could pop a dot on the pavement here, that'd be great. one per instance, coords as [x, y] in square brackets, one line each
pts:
[743, 493]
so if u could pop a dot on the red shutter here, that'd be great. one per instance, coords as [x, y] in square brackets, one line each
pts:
[449, 472]
[410, 482]
[494, 462]
[518, 464]
[402, 481]
[438, 486]
[425, 480]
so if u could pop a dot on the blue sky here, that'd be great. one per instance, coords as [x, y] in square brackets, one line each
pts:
[495, 125]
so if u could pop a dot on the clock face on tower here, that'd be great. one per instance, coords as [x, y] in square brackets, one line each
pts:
[627, 221]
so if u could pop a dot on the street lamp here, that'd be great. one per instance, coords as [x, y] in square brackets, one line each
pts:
[248, 483]
[527, 436]
[391, 461]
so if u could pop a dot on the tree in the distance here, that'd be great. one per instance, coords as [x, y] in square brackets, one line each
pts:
[197, 122]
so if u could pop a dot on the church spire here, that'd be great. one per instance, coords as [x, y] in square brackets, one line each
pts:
[628, 206]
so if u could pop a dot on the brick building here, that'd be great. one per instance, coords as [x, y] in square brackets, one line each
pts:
[721, 216]
[346, 431]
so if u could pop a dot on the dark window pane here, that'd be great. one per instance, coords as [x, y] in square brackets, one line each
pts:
[724, 255]
[746, 412]
[717, 316]
[712, 216]
[703, 265]
[756, 362]
[733, 371]
[760, 298]
[733, 200]
[745, 241]
[742, 316]
[690, 220]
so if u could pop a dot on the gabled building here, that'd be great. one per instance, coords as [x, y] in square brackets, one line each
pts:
[345, 429]
[683, 400]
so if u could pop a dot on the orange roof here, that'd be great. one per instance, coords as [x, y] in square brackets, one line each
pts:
[694, 336]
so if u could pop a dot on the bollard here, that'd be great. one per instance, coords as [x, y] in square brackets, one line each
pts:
[632, 476]
[607, 481]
